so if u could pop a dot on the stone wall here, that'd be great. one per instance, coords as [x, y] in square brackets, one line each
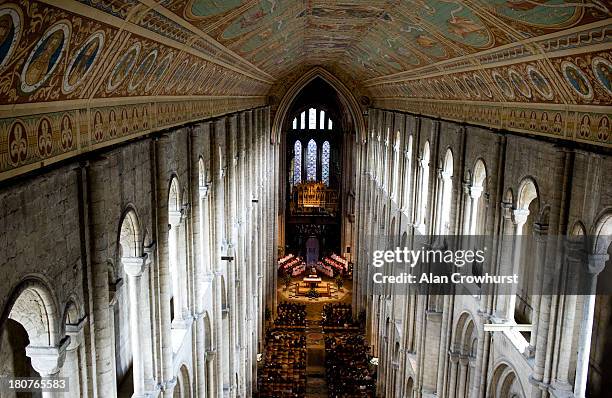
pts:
[444, 350]
[90, 252]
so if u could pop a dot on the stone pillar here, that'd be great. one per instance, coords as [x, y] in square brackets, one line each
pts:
[98, 181]
[454, 360]
[504, 260]
[475, 193]
[232, 312]
[421, 215]
[463, 365]
[134, 268]
[176, 271]
[200, 387]
[576, 258]
[72, 366]
[440, 187]
[477, 385]
[595, 264]
[48, 361]
[467, 208]
[212, 391]
[446, 335]
[520, 217]
[540, 234]
[218, 333]
[147, 305]
[168, 379]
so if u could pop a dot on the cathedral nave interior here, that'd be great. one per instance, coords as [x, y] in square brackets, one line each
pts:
[192, 195]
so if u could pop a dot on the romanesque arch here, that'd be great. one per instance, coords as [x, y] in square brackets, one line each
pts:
[505, 383]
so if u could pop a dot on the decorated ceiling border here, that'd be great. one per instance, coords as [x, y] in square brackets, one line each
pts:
[52, 53]
[75, 79]
[542, 47]
[580, 124]
[30, 142]
[557, 85]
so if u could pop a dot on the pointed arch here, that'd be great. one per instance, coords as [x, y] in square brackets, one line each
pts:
[345, 95]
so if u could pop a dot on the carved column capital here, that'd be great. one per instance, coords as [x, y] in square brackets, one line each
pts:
[48, 361]
[520, 216]
[134, 266]
[596, 263]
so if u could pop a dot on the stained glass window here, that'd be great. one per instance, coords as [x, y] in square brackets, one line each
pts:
[303, 120]
[330, 124]
[311, 162]
[322, 120]
[297, 165]
[325, 163]
[312, 119]
[295, 123]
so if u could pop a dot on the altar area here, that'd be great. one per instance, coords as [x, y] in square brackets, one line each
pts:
[312, 285]
[316, 280]
[327, 291]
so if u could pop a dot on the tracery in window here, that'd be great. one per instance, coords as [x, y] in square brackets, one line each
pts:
[311, 162]
[325, 163]
[297, 165]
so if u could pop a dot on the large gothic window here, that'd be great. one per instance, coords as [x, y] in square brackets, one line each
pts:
[297, 165]
[308, 153]
[325, 162]
[311, 165]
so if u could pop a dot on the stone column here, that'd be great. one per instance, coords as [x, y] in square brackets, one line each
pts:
[48, 361]
[595, 264]
[439, 198]
[540, 233]
[200, 385]
[211, 390]
[217, 323]
[168, 379]
[520, 217]
[454, 360]
[134, 268]
[147, 307]
[475, 193]
[423, 171]
[576, 258]
[504, 260]
[232, 312]
[176, 276]
[98, 182]
[463, 365]
[467, 208]
[72, 366]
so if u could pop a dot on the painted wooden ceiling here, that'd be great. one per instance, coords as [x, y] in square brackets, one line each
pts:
[76, 75]
[374, 38]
